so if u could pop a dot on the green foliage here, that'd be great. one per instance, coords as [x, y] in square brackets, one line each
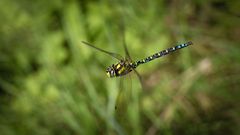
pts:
[50, 83]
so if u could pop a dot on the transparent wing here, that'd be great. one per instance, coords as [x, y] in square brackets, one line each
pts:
[140, 79]
[122, 30]
[115, 55]
[124, 94]
[124, 100]
[120, 94]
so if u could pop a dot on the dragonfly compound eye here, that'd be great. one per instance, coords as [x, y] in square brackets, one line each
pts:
[110, 72]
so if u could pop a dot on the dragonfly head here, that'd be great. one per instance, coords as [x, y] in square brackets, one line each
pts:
[110, 71]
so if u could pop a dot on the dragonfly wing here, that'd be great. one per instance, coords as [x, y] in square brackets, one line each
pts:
[124, 94]
[122, 30]
[140, 79]
[124, 101]
[115, 55]
[120, 94]
[126, 50]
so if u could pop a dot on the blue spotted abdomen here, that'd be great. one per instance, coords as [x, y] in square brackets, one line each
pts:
[160, 54]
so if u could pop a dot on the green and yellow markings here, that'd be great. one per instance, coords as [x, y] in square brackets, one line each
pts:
[108, 74]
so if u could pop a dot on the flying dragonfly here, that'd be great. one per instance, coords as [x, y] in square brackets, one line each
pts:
[126, 65]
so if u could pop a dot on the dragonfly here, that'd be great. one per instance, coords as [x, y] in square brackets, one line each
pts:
[125, 65]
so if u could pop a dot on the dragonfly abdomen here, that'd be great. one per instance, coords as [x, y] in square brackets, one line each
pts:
[160, 54]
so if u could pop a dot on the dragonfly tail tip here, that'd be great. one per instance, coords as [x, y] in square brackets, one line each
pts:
[190, 43]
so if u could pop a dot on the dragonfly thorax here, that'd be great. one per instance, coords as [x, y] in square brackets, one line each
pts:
[123, 67]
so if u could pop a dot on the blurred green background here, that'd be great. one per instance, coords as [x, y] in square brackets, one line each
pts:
[50, 83]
